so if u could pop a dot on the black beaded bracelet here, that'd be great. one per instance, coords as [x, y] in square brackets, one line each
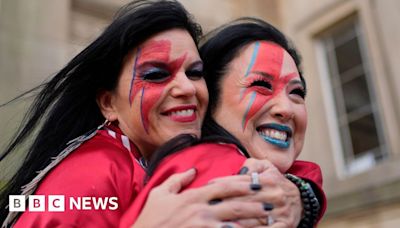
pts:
[310, 202]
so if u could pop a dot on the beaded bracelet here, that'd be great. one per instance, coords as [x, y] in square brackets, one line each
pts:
[311, 205]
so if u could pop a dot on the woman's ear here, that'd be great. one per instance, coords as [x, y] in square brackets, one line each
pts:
[104, 100]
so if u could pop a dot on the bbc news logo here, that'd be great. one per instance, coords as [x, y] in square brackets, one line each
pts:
[57, 203]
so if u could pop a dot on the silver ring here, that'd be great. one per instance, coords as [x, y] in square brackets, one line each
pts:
[227, 225]
[255, 179]
[270, 220]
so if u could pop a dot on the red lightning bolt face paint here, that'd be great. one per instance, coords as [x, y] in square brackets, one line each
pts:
[153, 52]
[269, 65]
[153, 55]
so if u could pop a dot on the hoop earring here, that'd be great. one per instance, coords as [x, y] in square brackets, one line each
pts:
[106, 122]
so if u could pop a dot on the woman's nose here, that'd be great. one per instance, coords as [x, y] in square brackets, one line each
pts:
[183, 86]
[282, 107]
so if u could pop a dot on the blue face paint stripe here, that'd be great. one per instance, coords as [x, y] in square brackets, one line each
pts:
[141, 111]
[251, 64]
[253, 57]
[133, 76]
[252, 99]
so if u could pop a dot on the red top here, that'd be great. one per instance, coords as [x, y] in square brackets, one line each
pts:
[104, 166]
[211, 160]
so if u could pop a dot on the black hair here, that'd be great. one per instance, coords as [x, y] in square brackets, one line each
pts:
[222, 45]
[66, 105]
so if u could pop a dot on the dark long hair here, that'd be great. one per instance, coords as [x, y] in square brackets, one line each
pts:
[221, 46]
[66, 105]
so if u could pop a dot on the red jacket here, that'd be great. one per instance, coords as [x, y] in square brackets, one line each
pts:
[104, 166]
[211, 160]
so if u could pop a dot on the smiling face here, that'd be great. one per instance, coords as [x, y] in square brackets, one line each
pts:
[161, 91]
[262, 103]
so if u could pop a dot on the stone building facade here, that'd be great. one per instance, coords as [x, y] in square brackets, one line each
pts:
[350, 51]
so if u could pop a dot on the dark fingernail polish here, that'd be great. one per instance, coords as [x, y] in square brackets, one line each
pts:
[214, 201]
[243, 170]
[268, 206]
[255, 187]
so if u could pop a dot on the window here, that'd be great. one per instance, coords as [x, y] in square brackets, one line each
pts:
[357, 118]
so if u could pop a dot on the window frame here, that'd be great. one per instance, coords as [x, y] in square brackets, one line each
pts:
[347, 164]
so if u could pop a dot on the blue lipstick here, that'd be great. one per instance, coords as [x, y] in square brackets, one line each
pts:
[276, 142]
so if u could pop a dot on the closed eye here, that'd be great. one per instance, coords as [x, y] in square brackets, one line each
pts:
[262, 83]
[195, 74]
[299, 92]
[156, 75]
[195, 71]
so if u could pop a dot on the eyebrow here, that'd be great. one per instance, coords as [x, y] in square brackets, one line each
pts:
[196, 63]
[153, 63]
[294, 82]
[264, 74]
[297, 82]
